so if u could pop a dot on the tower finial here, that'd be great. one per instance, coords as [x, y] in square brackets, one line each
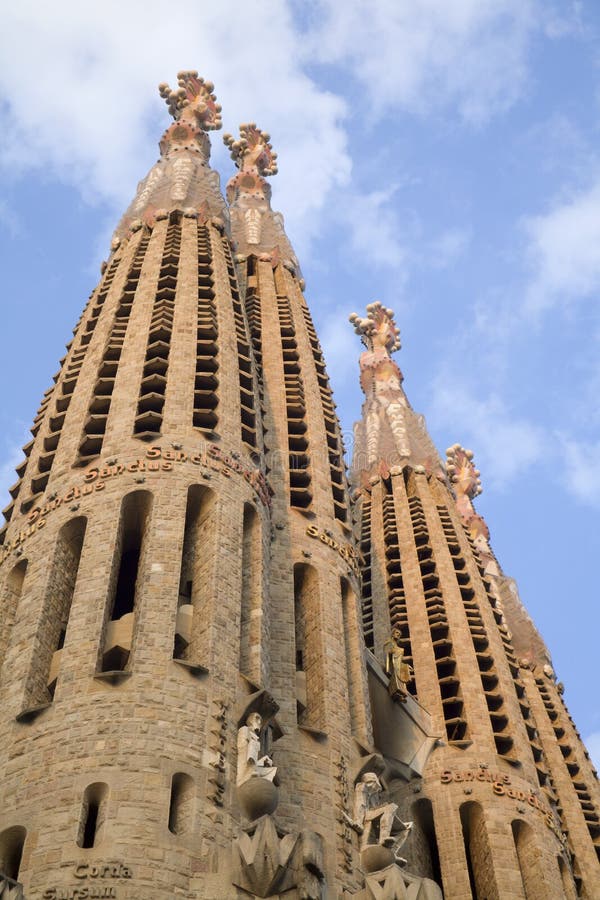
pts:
[378, 328]
[193, 101]
[462, 472]
[253, 152]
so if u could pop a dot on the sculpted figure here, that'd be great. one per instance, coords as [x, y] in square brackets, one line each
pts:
[375, 819]
[461, 471]
[250, 763]
[381, 379]
[399, 672]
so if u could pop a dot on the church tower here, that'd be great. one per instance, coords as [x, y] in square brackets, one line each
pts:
[223, 676]
[508, 805]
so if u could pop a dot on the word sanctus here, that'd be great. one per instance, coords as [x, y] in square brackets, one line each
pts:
[347, 552]
[156, 460]
[501, 787]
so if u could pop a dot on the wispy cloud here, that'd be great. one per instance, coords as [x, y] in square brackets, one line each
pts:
[426, 55]
[563, 253]
[582, 470]
[504, 444]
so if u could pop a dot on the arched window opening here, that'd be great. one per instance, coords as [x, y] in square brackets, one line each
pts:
[11, 595]
[47, 655]
[533, 874]
[67, 557]
[478, 852]
[422, 852]
[125, 581]
[93, 815]
[196, 580]
[12, 841]
[181, 804]
[567, 879]
[351, 650]
[251, 605]
[307, 651]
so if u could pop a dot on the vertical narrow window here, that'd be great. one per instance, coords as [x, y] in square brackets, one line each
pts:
[478, 852]
[568, 882]
[251, 606]
[351, 650]
[424, 842]
[181, 804]
[93, 815]
[196, 581]
[309, 682]
[50, 639]
[12, 841]
[11, 594]
[125, 581]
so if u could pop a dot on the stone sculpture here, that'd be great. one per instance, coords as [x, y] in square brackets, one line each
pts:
[398, 671]
[250, 763]
[375, 818]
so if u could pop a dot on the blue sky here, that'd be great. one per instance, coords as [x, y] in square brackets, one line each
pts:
[442, 156]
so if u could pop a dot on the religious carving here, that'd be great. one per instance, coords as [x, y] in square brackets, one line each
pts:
[467, 485]
[398, 671]
[375, 818]
[250, 762]
[217, 777]
[343, 818]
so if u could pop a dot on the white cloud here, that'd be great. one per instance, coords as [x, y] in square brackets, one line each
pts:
[504, 445]
[429, 54]
[563, 251]
[582, 475]
[593, 745]
[80, 102]
[374, 226]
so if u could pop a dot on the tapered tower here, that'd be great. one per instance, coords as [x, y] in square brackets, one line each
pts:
[508, 806]
[185, 705]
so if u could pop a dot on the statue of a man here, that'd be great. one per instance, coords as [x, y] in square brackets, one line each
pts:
[399, 672]
[250, 763]
[374, 818]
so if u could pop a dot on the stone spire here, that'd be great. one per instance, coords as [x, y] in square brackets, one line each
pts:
[256, 229]
[390, 432]
[182, 178]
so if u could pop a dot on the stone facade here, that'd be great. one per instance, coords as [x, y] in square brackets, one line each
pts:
[201, 693]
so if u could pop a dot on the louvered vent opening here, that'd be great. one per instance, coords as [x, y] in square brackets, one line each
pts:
[247, 404]
[457, 730]
[151, 401]
[254, 318]
[94, 428]
[65, 387]
[395, 584]
[487, 666]
[588, 807]
[206, 383]
[298, 447]
[335, 446]
[367, 593]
